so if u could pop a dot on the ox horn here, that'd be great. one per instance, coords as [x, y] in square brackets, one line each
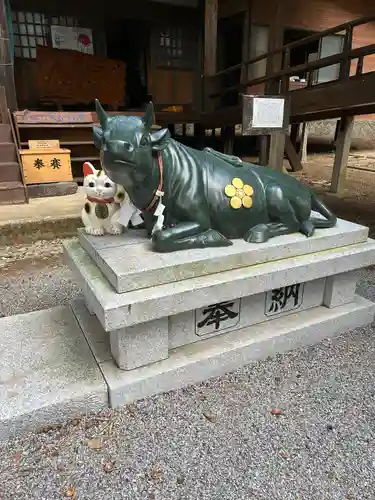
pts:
[102, 115]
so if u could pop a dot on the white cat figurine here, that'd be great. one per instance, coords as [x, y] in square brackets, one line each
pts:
[100, 214]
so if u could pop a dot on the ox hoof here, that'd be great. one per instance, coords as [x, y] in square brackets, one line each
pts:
[307, 228]
[257, 234]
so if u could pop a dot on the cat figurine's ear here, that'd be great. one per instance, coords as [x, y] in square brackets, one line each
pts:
[88, 169]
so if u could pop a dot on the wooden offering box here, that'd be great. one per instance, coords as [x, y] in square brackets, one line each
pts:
[42, 165]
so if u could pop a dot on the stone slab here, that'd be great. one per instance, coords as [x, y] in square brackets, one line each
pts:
[129, 265]
[218, 355]
[47, 372]
[120, 310]
[128, 237]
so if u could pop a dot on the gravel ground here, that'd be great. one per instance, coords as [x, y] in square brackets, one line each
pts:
[33, 277]
[300, 426]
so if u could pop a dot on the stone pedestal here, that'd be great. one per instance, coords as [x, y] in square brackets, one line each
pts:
[162, 321]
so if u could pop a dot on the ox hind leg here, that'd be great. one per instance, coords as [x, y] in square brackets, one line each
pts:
[287, 217]
[187, 235]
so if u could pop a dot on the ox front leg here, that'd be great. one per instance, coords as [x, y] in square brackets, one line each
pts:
[187, 235]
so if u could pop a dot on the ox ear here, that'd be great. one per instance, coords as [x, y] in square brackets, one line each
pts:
[148, 118]
[159, 139]
[98, 136]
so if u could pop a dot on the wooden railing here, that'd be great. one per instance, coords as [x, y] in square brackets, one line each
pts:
[280, 80]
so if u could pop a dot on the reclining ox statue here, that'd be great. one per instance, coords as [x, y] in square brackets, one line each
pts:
[194, 199]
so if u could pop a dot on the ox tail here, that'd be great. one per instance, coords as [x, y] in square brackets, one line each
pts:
[329, 220]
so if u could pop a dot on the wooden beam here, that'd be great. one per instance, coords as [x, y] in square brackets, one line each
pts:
[210, 36]
[342, 154]
[294, 131]
[291, 153]
[333, 98]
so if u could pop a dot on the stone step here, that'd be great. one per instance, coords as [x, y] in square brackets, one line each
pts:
[47, 372]
[12, 193]
[57, 363]
[218, 355]
[8, 152]
[10, 172]
[5, 133]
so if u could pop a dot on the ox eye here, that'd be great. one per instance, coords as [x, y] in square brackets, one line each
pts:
[143, 141]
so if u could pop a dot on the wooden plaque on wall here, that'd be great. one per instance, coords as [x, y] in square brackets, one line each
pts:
[70, 77]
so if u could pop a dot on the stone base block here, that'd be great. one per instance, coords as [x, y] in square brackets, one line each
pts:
[141, 344]
[122, 310]
[47, 372]
[217, 355]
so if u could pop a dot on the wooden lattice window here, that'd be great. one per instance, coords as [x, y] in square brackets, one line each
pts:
[64, 21]
[173, 47]
[30, 29]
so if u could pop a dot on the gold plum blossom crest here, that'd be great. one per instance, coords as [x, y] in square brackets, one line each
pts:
[240, 194]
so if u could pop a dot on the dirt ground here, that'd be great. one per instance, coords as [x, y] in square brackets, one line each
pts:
[357, 202]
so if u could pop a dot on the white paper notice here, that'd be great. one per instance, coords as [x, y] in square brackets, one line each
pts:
[128, 212]
[72, 38]
[268, 112]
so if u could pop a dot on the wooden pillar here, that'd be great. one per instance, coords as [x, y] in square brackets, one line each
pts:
[342, 153]
[264, 147]
[210, 36]
[199, 135]
[303, 144]
[6, 63]
[246, 42]
[228, 136]
[277, 142]
[276, 151]
[276, 40]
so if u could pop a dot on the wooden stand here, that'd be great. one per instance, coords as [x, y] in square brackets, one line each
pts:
[46, 165]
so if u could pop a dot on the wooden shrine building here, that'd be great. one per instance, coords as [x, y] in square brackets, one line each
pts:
[193, 58]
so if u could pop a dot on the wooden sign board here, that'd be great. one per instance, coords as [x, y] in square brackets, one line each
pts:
[52, 117]
[44, 144]
[265, 114]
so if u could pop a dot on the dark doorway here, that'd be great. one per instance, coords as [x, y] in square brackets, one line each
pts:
[126, 41]
[229, 53]
[303, 53]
